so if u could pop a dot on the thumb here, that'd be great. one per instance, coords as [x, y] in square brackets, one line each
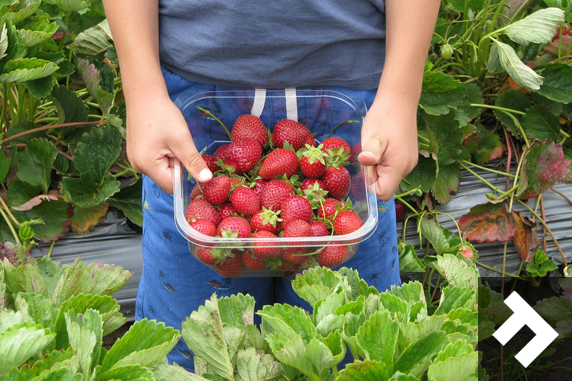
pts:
[373, 148]
[185, 150]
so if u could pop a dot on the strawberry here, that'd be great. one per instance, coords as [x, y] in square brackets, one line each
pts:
[258, 185]
[399, 210]
[296, 208]
[230, 163]
[261, 249]
[328, 208]
[252, 262]
[201, 208]
[232, 266]
[203, 225]
[562, 31]
[245, 200]
[294, 255]
[335, 143]
[196, 192]
[318, 229]
[274, 193]
[216, 191]
[290, 131]
[264, 219]
[235, 227]
[356, 150]
[226, 210]
[312, 162]
[245, 152]
[346, 222]
[222, 152]
[310, 141]
[205, 255]
[338, 181]
[211, 163]
[279, 162]
[467, 253]
[249, 126]
[338, 151]
[358, 190]
[332, 256]
[308, 184]
[297, 228]
[315, 191]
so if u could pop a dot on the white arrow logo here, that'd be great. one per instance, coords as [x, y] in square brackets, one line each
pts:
[523, 315]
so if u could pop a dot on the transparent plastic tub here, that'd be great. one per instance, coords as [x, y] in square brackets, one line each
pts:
[321, 112]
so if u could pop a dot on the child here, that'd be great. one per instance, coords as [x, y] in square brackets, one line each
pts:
[169, 46]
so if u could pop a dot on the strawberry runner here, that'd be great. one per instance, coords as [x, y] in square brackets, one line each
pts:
[174, 283]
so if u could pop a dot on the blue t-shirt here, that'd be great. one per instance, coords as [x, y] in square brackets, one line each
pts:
[274, 43]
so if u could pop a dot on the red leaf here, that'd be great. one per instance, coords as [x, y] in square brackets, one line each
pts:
[525, 237]
[488, 222]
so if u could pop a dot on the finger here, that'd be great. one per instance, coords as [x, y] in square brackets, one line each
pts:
[185, 150]
[162, 174]
[387, 182]
[373, 148]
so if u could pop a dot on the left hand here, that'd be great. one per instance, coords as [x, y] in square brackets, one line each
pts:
[389, 142]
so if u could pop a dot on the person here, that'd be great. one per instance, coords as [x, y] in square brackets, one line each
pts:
[167, 47]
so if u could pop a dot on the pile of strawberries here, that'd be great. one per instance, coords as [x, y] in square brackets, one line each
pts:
[275, 185]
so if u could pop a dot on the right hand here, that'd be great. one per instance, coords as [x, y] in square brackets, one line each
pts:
[156, 134]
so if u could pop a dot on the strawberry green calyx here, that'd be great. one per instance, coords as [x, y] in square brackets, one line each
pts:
[338, 157]
[315, 194]
[314, 154]
[270, 217]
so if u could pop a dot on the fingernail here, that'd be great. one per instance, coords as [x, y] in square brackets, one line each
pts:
[205, 174]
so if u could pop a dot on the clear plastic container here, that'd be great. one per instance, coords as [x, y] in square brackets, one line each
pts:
[321, 111]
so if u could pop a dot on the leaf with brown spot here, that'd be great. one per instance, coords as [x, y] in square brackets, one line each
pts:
[86, 218]
[448, 181]
[525, 237]
[488, 222]
[544, 166]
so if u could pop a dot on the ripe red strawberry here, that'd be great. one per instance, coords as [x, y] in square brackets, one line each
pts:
[222, 152]
[236, 227]
[232, 266]
[249, 126]
[228, 162]
[245, 152]
[332, 256]
[216, 191]
[290, 131]
[318, 229]
[335, 143]
[274, 193]
[297, 228]
[296, 208]
[310, 141]
[203, 225]
[201, 208]
[279, 162]
[259, 246]
[467, 253]
[226, 210]
[196, 192]
[264, 219]
[338, 181]
[308, 184]
[313, 162]
[399, 210]
[211, 163]
[562, 31]
[328, 208]
[245, 201]
[338, 151]
[346, 222]
[252, 262]
[356, 150]
[205, 255]
[294, 255]
[258, 185]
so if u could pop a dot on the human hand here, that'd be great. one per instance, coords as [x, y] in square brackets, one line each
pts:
[156, 134]
[389, 142]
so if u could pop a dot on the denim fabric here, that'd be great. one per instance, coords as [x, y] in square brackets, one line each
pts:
[174, 283]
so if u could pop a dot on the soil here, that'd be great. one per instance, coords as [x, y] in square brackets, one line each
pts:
[555, 364]
[109, 340]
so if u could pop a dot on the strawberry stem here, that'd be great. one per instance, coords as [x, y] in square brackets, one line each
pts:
[215, 118]
[339, 124]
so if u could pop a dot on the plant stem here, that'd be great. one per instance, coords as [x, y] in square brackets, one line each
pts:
[43, 128]
[10, 226]
[517, 273]
[495, 189]
[7, 209]
[3, 120]
[487, 169]
[548, 230]
[339, 124]
[498, 108]
[503, 266]
[215, 118]
[561, 194]
[51, 249]
[518, 168]
[498, 271]
[436, 287]
[544, 219]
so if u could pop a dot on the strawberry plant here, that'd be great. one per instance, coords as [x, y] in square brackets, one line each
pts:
[61, 121]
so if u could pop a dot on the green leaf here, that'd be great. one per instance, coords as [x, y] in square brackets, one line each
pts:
[411, 292]
[146, 344]
[490, 146]
[85, 191]
[539, 27]
[512, 100]
[54, 213]
[442, 239]
[398, 308]
[55, 359]
[254, 366]
[440, 93]
[423, 175]
[316, 284]
[453, 298]
[35, 165]
[447, 182]
[416, 358]
[11, 318]
[166, 372]
[398, 376]
[557, 83]
[459, 368]
[95, 81]
[364, 371]
[92, 41]
[20, 342]
[378, 338]
[408, 260]
[292, 353]
[97, 151]
[70, 108]
[454, 349]
[39, 308]
[290, 321]
[449, 137]
[85, 336]
[465, 112]
[26, 69]
[4, 165]
[68, 6]
[327, 307]
[37, 29]
[540, 123]
[3, 41]
[85, 218]
[458, 272]
[203, 333]
[128, 200]
[41, 87]
[413, 331]
[16, 48]
[18, 11]
[540, 100]
[133, 372]
[503, 56]
[237, 310]
[322, 357]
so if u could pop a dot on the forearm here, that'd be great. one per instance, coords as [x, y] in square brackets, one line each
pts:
[135, 28]
[410, 26]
